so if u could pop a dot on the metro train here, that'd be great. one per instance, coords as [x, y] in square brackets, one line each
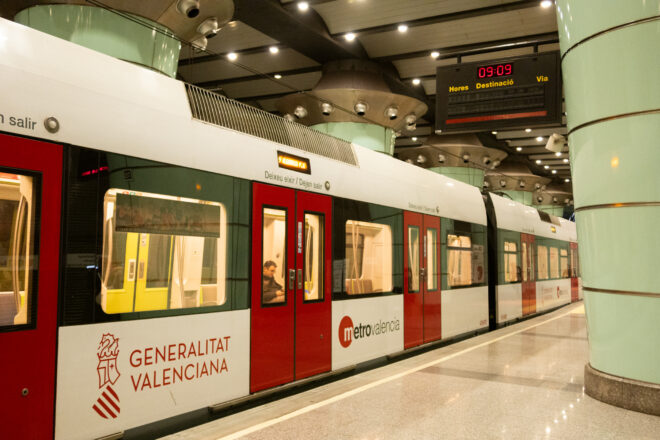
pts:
[164, 249]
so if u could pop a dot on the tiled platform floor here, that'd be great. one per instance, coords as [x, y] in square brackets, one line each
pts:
[520, 382]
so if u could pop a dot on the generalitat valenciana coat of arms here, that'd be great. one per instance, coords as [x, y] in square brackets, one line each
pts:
[107, 405]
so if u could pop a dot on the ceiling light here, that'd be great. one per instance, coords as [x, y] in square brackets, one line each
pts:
[537, 185]
[209, 27]
[567, 180]
[414, 138]
[273, 49]
[326, 108]
[421, 158]
[486, 160]
[391, 112]
[303, 6]
[232, 56]
[289, 117]
[558, 154]
[554, 171]
[466, 158]
[494, 132]
[546, 3]
[521, 184]
[360, 108]
[518, 148]
[200, 43]
[539, 139]
[502, 183]
[538, 161]
[527, 130]
[300, 112]
[189, 8]
[546, 167]
[416, 81]
[441, 158]
[496, 164]
[402, 28]
[435, 54]
[566, 160]
[277, 76]
[349, 36]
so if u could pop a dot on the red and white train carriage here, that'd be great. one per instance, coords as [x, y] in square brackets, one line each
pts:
[139, 215]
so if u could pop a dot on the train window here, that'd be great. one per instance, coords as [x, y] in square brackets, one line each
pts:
[510, 262]
[161, 252]
[413, 259]
[368, 258]
[314, 256]
[542, 262]
[563, 263]
[274, 256]
[18, 256]
[554, 262]
[459, 256]
[432, 259]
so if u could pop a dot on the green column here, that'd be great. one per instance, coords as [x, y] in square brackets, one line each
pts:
[524, 197]
[109, 33]
[610, 68]
[471, 176]
[371, 136]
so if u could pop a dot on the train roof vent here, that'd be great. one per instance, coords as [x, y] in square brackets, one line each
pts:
[224, 112]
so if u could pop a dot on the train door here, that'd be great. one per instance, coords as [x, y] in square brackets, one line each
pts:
[422, 314]
[528, 275]
[30, 191]
[575, 295]
[291, 300]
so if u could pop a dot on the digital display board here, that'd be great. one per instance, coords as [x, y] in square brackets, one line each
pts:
[293, 163]
[509, 93]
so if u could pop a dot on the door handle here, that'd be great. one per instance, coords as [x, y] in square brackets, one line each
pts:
[422, 273]
[300, 279]
[292, 278]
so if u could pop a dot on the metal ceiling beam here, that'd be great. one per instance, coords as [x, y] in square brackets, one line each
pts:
[453, 16]
[478, 48]
[240, 79]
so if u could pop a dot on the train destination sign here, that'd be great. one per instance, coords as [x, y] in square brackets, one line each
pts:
[508, 93]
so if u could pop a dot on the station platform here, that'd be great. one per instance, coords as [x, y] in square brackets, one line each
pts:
[522, 381]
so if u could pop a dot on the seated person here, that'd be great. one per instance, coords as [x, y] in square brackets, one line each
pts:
[272, 291]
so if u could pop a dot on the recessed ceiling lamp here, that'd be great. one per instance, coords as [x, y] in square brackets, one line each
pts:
[416, 81]
[277, 76]
[546, 3]
[547, 167]
[402, 28]
[565, 160]
[303, 6]
[494, 132]
[273, 49]
[554, 171]
[538, 161]
[539, 139]
[435, 54]
[232, 56]
[414, 138]
[567, 180]
[527, 130]
[518, 148]
[349, 36]
[558, 154]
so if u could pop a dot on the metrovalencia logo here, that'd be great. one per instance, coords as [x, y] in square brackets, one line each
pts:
[349, 332]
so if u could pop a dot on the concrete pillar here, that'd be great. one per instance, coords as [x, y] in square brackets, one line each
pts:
[131, 39]
[610, 67]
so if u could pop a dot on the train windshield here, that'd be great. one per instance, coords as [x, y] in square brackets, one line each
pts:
[161, 252]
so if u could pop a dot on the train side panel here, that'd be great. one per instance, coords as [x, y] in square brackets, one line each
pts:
[115, 376]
